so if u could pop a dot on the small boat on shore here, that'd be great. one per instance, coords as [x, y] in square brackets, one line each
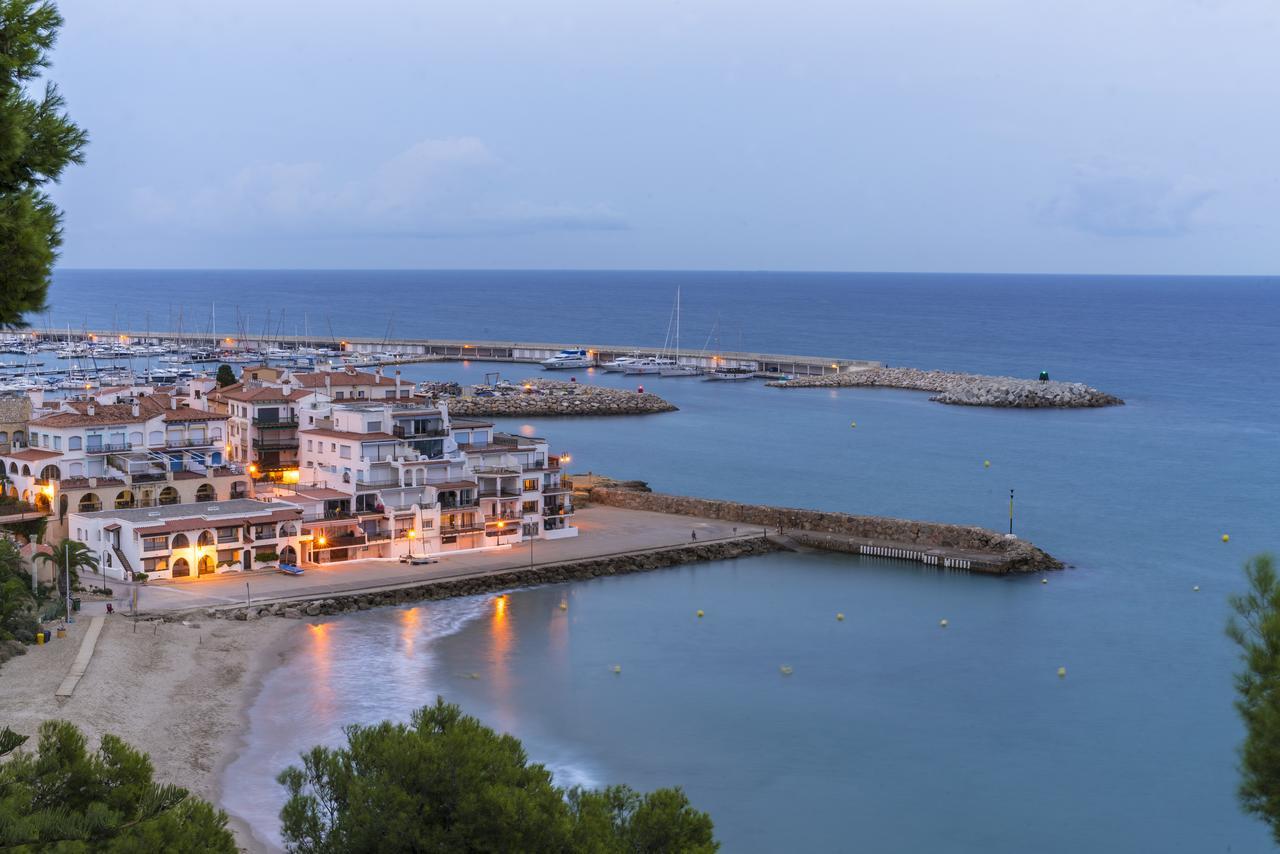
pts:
[566, 359]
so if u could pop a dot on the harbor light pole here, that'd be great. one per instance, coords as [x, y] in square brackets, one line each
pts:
[413, 532]
[1011, 512]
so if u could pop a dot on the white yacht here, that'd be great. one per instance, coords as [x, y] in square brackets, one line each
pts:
[737, 373]
[654, 365]
[567, 359]
[619, 364]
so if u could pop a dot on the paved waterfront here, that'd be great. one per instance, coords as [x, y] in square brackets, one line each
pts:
[602, 531]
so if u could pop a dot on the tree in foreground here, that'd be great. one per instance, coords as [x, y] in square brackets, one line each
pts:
[226, 376]
[37, 142]
[68, 558]
[446, 782]
[65, 798]
[1256, 629]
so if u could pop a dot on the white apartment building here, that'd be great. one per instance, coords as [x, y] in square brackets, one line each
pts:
[190, 540]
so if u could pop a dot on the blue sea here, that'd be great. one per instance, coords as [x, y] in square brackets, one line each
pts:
[890, 734]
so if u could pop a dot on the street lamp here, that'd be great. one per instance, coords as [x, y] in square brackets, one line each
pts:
[412, 534]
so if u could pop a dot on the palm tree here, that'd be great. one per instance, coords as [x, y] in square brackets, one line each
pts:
[68, 557]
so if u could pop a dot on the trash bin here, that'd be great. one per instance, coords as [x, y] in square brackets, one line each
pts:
[75, 603]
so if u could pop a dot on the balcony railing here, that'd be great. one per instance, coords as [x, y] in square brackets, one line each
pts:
[500, 493]
[377, 483]
[275, 423]
[468, 528]
[275, 444]
[506, 520]
[328, 516]
[409, 433]
[109, 448]
[557, 511]
[460, 505]
[192, 442]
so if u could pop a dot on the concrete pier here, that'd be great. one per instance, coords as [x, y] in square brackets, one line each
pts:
[431, 349]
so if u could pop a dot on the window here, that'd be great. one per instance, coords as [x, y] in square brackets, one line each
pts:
[481, 437]
[180, 541]
[463, 437]
[229, 535]
[155, 544]
[57, 443]
[345, 452]
[530, 507]
[35, 439]
[428, 524]
[264, 532]
[73, 444]
[375, 426]
[308, 444]
[340, 395]
[531, 484]
[155, 564]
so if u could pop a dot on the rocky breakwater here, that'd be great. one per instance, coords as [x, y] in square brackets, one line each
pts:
[493, 582]
[537, 397]
[966, 389]
[987, 551]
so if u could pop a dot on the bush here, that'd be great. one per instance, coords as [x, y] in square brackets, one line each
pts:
[140, 577]
[266, 557]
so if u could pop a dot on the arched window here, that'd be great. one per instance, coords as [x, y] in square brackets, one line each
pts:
[206, 565]
[180, 568]
[50, 472]
[206, 539]
[180, 541]
[288, 529]
[124, 499]
[74, 443]
[19, 437]
[89, 503]
[26, 470]
[168, 495]
[205, 492]
[289, 556]
[42, 503]
[13, 467]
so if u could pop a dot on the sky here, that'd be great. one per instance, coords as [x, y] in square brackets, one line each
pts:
[1083, 136]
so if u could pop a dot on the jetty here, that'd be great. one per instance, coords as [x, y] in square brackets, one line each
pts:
[411, 350]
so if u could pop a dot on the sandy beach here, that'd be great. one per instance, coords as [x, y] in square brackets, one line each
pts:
[179, 692]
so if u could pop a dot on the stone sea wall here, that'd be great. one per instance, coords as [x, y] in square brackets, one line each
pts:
[538, 397]
[470, 586]
[966, 389]
[1012, 555]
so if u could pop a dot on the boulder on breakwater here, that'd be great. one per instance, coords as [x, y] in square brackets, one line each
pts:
[966, 389]
[538, 397]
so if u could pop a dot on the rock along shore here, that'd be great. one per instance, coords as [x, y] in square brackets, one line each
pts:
[966, 389]
[989, 551]
[539, 397]
[342, 603]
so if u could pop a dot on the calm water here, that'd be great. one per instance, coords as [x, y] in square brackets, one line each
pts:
[891, 734]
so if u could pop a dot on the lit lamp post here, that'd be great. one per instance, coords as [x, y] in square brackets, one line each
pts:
[412, 534]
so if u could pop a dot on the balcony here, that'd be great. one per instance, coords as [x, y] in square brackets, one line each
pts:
[557, 511]
[468, 528]
[464, 504]
[506, 520]
[509, 471]
[275, 423]
[192, 442]
[378, 536]
[401, 432]
[500, 493]
[328, 516]
[376, 483]
[109, 448]
[275, 444]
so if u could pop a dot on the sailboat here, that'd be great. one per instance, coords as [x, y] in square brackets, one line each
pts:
[677, 369]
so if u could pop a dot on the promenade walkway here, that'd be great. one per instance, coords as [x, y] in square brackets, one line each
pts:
[603, 531]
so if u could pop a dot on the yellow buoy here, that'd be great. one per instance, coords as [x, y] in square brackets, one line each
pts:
[986, 464]
[617, 668]
[840, 617]
[699, 612]
[943, 622]
[786, 669]
[1226, 538]
[1062, 671]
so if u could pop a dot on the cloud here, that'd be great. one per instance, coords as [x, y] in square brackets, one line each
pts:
[435, 188]
[1107, 199]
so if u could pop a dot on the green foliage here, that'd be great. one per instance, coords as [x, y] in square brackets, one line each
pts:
[446, 782]
[266, 557]
[70, 554]
[226, 376]
[1256, 629]
[17, 603]
[65, 798]
[37, 142]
